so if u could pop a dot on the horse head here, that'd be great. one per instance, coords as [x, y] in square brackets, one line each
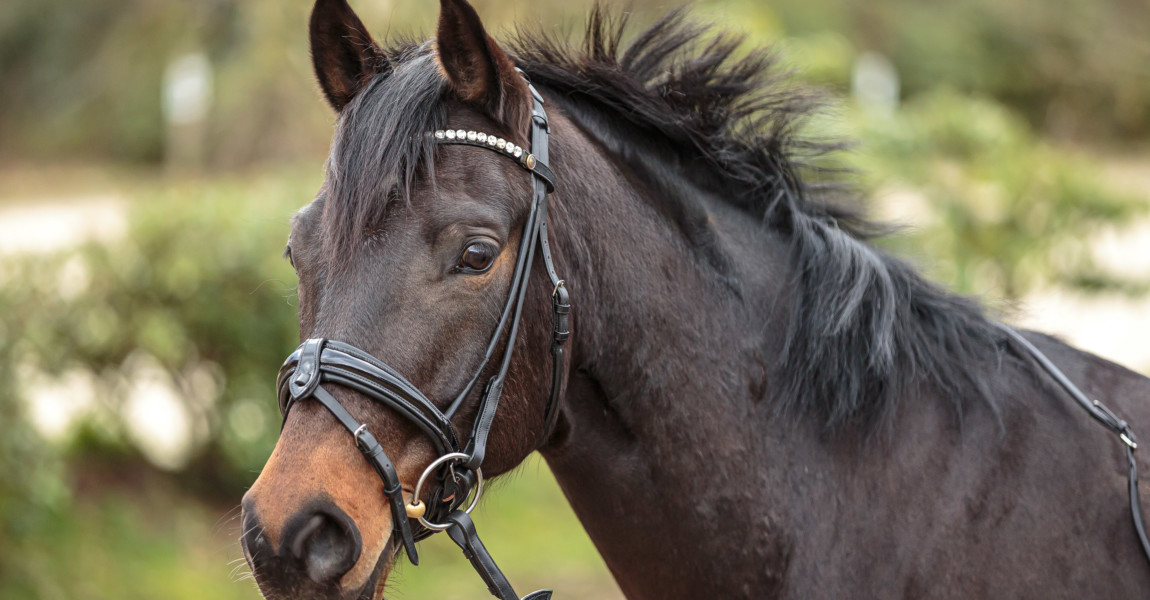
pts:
[418, 303]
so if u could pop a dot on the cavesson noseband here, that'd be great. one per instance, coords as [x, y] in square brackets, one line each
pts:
[457, 473]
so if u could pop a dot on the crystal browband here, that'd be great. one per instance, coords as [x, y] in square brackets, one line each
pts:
[476, 136]
[525, 159]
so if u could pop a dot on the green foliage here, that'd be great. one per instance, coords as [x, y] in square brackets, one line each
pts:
[998, 212]
[86, 75]
[196, 290]
[146, 545]
[31, 484]
[84, 79]
[1071, 68]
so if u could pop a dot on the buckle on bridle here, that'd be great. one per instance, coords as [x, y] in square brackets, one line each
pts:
[1121, 427]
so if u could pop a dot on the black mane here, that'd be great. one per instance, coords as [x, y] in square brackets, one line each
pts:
[866, 328]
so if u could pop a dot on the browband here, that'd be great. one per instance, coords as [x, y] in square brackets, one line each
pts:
[479, 139]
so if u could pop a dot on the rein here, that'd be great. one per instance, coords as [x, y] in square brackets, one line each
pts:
[1107, 418]
[457, 473]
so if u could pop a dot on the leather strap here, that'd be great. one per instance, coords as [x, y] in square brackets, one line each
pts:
[375, 455]
[489, 401]
[1106, 417]
[335, 362]
[561, 310]
[538, 167]
[535, 228]
[462, 532]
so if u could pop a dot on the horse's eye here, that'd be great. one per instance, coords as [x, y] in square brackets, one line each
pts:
[477, 258]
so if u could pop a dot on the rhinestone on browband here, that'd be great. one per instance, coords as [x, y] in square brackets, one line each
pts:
[496, 143]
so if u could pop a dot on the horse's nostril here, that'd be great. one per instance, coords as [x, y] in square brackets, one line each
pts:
[302, 541]
[326, 543]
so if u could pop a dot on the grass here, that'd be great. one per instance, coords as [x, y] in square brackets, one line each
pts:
[149, 544]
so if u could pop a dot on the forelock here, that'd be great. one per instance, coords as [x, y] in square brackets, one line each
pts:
[380, 146]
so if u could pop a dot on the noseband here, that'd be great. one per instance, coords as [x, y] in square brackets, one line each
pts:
[457, 472]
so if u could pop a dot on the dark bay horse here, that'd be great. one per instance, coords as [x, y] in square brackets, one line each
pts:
[759, 403]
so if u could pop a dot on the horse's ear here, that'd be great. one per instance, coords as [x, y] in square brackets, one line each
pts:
[344, 55]
[478, 70]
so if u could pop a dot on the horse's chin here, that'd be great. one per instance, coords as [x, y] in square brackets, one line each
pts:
[374, 587]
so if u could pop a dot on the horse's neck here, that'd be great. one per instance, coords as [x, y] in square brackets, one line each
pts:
[661, 448]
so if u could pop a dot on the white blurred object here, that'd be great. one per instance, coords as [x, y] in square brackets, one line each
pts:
[155, 414]
[875, 84]
[187, 101]
[1125, 252]
[187, 89]
[1113, 327]
[56, 404]
[52, 225]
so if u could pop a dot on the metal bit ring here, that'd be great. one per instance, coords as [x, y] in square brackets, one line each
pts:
[435, 464]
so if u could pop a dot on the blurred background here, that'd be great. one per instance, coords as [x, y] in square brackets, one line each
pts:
[152, 152]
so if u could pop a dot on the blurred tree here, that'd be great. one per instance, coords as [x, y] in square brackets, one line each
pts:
[197, 292]
[84, 80]
[1073, 68]
[998, 212]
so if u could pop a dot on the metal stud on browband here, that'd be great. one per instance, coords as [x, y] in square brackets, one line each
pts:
[478, 136]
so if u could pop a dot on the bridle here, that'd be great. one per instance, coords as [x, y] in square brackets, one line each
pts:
[457, 473]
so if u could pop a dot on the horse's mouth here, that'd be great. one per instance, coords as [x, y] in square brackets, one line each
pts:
[376, 584]
[372, 589]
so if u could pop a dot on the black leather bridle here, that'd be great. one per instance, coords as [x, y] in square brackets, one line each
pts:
[457, 472]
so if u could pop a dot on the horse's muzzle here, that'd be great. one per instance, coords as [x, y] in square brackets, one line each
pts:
[317, 547]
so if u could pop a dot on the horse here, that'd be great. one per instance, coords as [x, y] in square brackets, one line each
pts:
[755, 401]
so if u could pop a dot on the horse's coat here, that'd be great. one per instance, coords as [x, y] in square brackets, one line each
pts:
[761, 404]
